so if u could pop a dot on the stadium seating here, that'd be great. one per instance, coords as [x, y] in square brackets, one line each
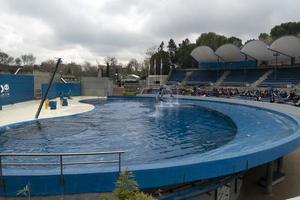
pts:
[280, 77]
[204, 77]
[242, 77]
[283, 77]
[177, 75]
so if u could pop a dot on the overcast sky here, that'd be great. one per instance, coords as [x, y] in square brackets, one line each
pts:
[79, 30]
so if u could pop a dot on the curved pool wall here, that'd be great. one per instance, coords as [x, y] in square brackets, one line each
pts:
[256, 143]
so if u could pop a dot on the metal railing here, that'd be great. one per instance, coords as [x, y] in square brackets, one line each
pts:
[60, 162]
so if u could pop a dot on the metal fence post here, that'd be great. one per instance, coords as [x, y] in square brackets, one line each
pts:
[61, 170]
[1, 173]
[120, 162]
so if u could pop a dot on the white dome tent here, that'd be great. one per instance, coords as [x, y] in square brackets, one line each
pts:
[204, 54]
[230, 52]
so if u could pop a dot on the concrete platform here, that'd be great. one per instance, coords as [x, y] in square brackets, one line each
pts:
[25, 111]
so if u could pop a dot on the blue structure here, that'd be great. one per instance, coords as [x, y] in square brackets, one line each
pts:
[283, 76]
[255, 144]
[204, 76]
[65, 88]
[177, 75]
[231, 64]
[16, 88]
[238, 77]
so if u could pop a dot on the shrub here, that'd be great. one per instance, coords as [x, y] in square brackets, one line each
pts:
[126, 189]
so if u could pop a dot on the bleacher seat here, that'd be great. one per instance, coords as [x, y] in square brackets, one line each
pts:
[280, 77]
[204, 77]
[243, 77]
[283, 77]
[177, 75]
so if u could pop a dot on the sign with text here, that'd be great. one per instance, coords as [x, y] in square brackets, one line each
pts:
[4, 90]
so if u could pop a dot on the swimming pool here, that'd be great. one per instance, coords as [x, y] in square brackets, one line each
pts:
[164, 143]
[164, 131]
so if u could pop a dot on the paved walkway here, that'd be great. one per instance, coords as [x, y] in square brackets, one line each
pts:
[289, 188]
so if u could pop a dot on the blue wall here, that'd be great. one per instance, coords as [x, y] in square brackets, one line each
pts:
[65, 88]
[233, 64]
[21, 88]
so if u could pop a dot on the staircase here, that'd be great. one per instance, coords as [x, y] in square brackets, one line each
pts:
[261, 79]
[222, 78]
[187, 75]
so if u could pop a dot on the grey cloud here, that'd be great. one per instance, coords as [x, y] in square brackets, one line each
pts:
[103, 27]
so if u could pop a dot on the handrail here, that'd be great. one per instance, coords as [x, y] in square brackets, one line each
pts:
[63, 154]
[60, 162]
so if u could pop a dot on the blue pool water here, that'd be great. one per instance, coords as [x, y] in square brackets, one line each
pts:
[146, 131]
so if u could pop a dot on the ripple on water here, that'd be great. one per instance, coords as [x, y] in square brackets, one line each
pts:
[147, 132]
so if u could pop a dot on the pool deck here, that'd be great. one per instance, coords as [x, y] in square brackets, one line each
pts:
[289, 188]
[25, 111]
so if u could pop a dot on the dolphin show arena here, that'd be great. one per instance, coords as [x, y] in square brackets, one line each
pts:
[68, 138]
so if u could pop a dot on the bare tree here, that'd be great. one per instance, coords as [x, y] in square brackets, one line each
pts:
[110, 62]
[28, 59]
[133, 66]
[18, 61]
[151, 51]
[5, 59]
[47, 66]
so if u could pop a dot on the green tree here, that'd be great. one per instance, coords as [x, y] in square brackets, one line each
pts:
[265, 37]
[234, 40]
[156, 60]
[289, 28]
[172, 50]
[127, 189]
[126, 186]
[214, 40]
[184, 57]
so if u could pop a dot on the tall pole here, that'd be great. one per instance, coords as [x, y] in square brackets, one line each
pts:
[47, 91]
[161, 66]
[149, 74]
[155, 71]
